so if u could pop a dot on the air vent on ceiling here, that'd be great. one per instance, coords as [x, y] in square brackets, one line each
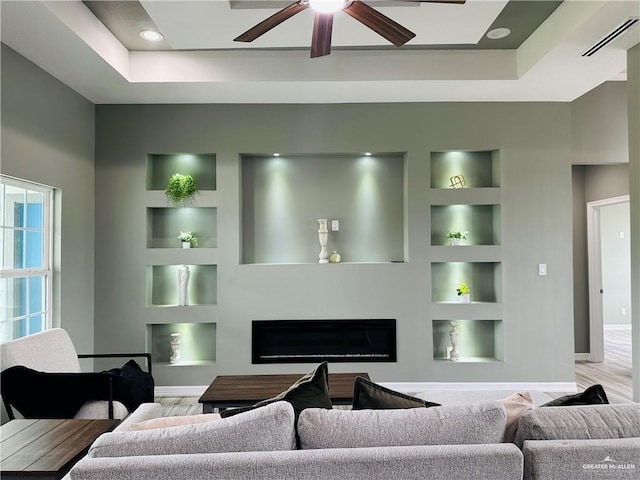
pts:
[611, 36]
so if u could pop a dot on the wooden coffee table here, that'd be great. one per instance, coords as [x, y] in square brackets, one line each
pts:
[242, 390]
[46, 449]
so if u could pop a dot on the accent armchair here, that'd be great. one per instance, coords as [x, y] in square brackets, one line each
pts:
[53, 352]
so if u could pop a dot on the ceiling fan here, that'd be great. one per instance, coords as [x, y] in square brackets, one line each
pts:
[323, 22]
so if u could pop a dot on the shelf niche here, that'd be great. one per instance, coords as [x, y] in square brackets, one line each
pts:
[480, 168]
[197, 343]
[162, 285]
[483, 278]
[282, 198]
[160, 167]
[478, 340]
[165, 224]
[482, 222]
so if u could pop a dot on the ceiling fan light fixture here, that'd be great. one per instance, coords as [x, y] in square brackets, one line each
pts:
[151, 35]
[498, 33]
[328, 6]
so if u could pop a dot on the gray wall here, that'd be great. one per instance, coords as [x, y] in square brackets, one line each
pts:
[48, 138]
[600, 156]
[616, 264]
[534, 141]
[590, 183]
[600, 126]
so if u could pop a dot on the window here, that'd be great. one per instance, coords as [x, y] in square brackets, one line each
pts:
[25, 273]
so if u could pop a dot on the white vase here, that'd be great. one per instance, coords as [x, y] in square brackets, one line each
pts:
[466, 298]
[456, 241]
[176, 353]
[323, 233]
[183, 285]
[454, 356]
[186, 244]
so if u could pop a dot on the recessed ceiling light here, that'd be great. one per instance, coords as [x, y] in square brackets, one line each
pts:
[151, 35]
[498, 33]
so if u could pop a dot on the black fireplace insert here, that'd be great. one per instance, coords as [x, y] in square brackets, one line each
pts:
[312, 341]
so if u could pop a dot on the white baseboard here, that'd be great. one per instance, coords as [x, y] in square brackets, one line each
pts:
[510, 386]
[618, 327]
[582, 356]
[180, 391]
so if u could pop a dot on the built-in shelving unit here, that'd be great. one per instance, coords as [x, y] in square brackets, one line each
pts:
[284, 196]
[165, 257]
[195, 344]
[465, 197]
[164, 225]
[162, 285]
[478, 340]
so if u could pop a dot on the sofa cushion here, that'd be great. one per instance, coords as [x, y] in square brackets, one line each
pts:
[580, 422]
[593, 395]
[367, 394]
[456, 425]
[515, 405]
[310, 391]
[269, 428]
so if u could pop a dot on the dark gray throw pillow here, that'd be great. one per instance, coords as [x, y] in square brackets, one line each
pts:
[310, 391]
[369, 395]
[594, 395]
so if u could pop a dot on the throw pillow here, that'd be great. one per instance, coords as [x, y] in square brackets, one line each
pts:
[593, 395]
[369, 395]
[515, 405]
[269, 428]
[455, 425]
[580, 423]
[178, 421]
[132, 385]
[311, 391]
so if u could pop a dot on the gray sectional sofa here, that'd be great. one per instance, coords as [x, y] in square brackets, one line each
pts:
[462, 441]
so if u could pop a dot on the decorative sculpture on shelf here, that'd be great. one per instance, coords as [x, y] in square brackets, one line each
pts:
[453, 335]
[323, 233]
[183, 285]
[176, 353]
[457, 181]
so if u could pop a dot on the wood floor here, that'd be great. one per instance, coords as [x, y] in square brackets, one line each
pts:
[614, 374]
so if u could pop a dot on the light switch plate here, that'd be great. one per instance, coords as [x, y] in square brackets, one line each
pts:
[542, 269]
[335, 225]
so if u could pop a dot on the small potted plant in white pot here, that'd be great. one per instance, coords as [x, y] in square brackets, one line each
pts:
[187, 239]
[464, 293]
[456, 237]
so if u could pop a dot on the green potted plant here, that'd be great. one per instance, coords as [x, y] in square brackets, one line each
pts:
[180, 189]
[456, 237]
[187, 239]
[464, 292]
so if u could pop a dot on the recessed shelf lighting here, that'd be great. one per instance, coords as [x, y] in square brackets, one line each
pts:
[276, 154]
[498, 33]
[151, 35]
[368, 154]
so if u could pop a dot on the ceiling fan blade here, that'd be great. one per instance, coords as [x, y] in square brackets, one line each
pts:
[271, 22]
[321, 41]
[379, 23]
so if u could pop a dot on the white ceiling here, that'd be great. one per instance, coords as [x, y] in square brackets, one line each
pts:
[204, 65]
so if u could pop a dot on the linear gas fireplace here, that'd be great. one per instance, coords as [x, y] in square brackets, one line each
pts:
[307, 341]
